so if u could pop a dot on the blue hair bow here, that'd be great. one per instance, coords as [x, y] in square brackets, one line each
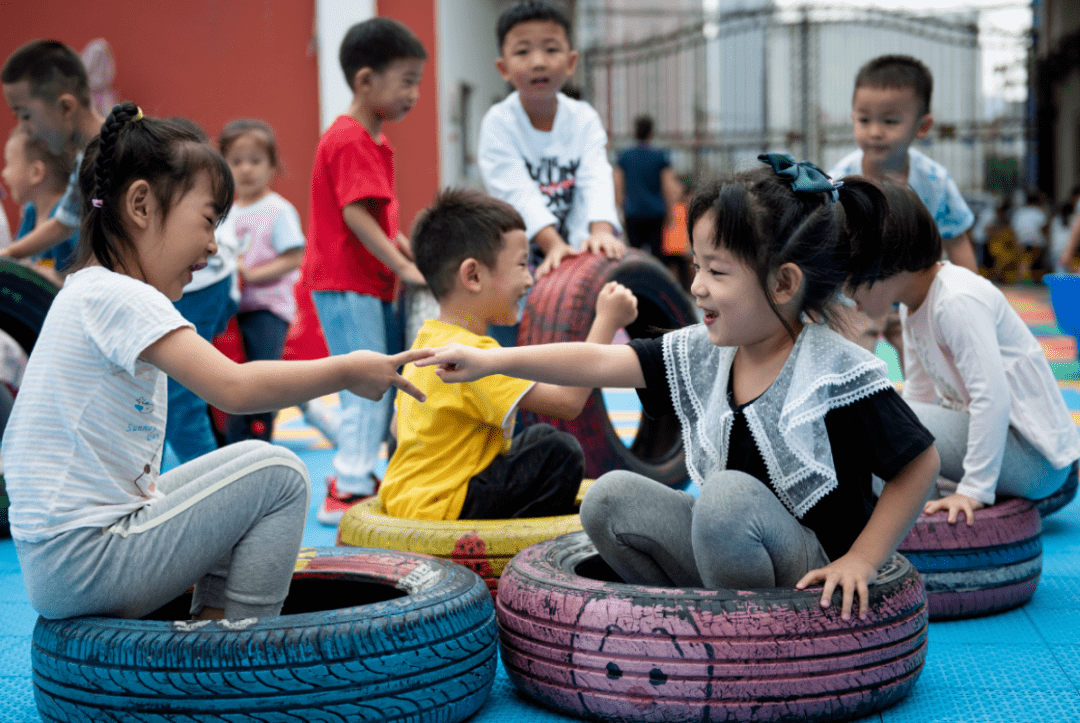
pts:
[805, 176]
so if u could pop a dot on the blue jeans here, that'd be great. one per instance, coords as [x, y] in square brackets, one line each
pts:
[187, 426]
[263, 333]
[354, 322]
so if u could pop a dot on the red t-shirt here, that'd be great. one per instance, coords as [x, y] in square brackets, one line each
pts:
[349, 166]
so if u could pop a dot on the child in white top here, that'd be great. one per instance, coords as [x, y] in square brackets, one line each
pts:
[97, 530]
[272, 243]
[974, 373]
[784, 421]
[542, 152]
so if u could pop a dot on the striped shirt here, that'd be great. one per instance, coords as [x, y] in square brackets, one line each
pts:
[84, 441]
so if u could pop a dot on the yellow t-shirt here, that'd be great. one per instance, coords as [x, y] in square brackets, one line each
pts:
[454, 435]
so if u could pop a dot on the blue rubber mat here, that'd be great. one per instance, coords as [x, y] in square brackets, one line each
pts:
[1022, 665]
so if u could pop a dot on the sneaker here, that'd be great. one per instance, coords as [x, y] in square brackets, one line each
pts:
[335, 503]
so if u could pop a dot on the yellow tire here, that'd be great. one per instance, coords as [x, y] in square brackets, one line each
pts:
[484, 546]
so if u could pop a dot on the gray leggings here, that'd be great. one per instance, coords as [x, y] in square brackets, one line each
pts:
[736, 534]
[1024, 471]
[230, 523]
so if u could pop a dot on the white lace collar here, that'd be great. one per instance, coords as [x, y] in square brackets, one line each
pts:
[823, 372]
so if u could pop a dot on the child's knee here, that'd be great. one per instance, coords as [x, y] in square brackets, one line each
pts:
[601, 503]
[730, 497]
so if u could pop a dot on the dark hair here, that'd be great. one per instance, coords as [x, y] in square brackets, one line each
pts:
[765, 224]
[909, 241]
[529, 10]
[898, 71]
[376, 43]
[57, 165]
[458, 225]
[643, 126]
[51, 68]
[166, 154]
[233, 130]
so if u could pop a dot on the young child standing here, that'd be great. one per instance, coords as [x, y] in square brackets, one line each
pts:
[37, 179]
[457, 456]
[783, 420]
[268, 229]
[542, 152]
[891, 108]
[97, 530]
[46, 87]
[355, 251]
[973, 372]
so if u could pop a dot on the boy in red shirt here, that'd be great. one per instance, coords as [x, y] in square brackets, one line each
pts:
[355, 250]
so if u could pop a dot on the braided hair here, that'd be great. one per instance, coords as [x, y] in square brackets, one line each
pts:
[765, 224]
[168, 155]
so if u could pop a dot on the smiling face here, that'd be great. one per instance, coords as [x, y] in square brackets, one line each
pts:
[53, 122]
[170, 252]
[252, 169]
[537, 59]
[887, 120]
[728, 291]
[510, 280]
[393, 91]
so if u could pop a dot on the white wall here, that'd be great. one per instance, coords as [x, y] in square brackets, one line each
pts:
[466, 55]
[332, 19]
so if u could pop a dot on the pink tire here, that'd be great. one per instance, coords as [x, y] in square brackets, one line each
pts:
[991, 566]
[608, 651]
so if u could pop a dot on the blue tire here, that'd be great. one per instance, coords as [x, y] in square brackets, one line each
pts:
[412, 638]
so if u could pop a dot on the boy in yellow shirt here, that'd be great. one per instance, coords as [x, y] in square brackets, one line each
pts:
[457, 456]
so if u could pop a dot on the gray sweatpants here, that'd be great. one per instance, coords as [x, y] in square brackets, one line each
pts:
[736, 534]
[230, 523]
[1025, 472]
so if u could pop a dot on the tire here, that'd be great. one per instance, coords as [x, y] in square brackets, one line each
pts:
[609, 651]
[1049, 505]
[25, 298]
[419, 645]
[483, 546]
[989, 567]
[561, 307]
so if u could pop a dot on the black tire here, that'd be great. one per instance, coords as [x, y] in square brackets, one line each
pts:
[606, 650]
[561, 307]
[413, 639]
[25, 298]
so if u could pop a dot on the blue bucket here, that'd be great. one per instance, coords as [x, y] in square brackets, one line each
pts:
[1065, 298]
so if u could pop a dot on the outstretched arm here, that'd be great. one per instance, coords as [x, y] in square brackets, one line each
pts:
[896, 511]
[262, 386]
[615, 308]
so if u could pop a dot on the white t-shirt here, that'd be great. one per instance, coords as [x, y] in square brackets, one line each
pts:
[1027, 224]
[266, 229]
[931, 182]
[560, 177]
[83, 444]
[967, 349]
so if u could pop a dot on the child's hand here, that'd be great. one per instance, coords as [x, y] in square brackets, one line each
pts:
[955, 503]
[617, 304]
[852, 574]
[603, 242]
[404, 246]
[375, 373]
[411, 275]
[456, 363]
[554, 257]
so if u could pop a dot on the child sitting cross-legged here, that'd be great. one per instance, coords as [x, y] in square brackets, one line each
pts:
[457, 456]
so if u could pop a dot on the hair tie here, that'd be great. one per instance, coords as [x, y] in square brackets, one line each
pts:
[806, 177]
[96, 202]
[138, 114]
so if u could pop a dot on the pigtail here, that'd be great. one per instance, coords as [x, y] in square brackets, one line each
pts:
[97, 181]
[865, 210]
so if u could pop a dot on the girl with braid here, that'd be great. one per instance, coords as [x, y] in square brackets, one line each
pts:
[98, 531]
[784, 421]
